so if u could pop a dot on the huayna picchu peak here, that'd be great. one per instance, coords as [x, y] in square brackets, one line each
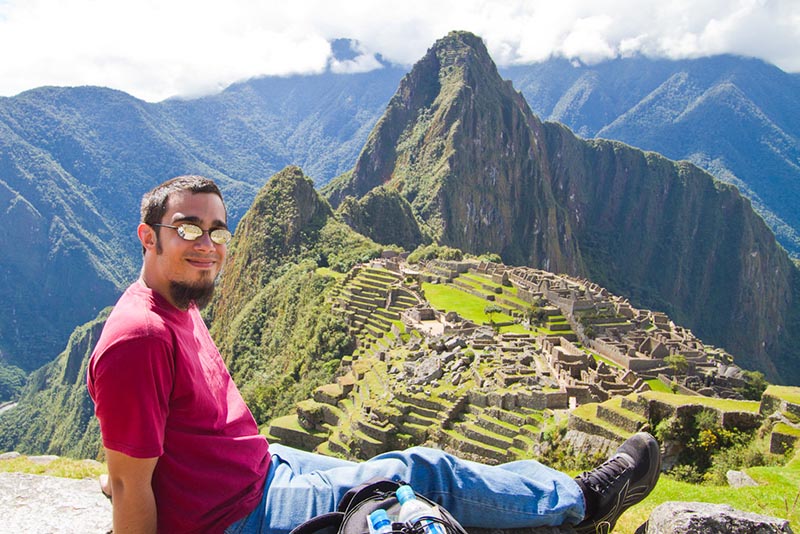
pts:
[484, 175]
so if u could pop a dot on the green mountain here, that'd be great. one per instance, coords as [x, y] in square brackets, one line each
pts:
[63, 158]
[74, 163]
[485, 175]
[735, 117]
[271, 319]
[270, 316]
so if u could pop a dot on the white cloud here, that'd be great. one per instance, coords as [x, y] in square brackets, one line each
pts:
[154, 49]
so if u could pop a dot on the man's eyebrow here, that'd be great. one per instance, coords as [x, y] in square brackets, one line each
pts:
[196, 220]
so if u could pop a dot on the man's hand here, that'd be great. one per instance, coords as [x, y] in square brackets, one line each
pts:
[129, 481]
[105, 486]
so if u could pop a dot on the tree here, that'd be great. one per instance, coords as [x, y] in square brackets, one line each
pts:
[490, 310]
[754, 387]
[677, 362]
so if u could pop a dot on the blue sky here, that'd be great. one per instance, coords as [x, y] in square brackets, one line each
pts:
[154, 49]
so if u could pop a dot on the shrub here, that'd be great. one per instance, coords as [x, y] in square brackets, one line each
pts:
[738, 457]
[433, 251]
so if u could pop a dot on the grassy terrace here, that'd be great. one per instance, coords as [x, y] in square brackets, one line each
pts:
[657, 385]
[468, 306]
[720, 404]
[326, 271]
[786, 393]
[509, 293]
[588, 412]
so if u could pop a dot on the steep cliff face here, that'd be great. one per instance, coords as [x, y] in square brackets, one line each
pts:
[55, 414]
[486, 175]
[665, 233]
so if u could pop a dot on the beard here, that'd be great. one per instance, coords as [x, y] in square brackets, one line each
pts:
[183, 294]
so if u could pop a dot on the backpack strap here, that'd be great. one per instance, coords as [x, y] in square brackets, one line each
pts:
[367, 490]
[322, 524]
[331, 522]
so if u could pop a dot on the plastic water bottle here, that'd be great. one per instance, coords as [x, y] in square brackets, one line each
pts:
[412, 510]
[379, 522]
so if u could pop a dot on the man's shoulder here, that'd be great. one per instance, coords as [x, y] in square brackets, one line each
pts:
[137, 314]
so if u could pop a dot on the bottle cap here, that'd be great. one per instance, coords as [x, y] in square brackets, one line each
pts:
[405, 493]
[379, 518]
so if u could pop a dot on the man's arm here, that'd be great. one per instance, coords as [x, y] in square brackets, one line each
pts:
[134, 503]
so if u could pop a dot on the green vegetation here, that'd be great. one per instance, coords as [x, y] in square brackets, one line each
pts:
[789, 393]
[710, 402]
[657, 385]
[12, 379]
[369, 216]
[57, 388]
[434, 251]
[776, 495]
[286, 341]
[60, 467]
[709, 450]
[677, 362]
[755, 385]
[468, 306]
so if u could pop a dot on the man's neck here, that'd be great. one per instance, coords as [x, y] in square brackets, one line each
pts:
[163, 294]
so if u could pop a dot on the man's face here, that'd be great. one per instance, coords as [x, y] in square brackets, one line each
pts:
[184, 270]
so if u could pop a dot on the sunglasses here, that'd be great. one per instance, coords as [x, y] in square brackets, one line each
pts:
[191, 232]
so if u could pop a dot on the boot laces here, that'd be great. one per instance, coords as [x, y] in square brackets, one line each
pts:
[602, 477]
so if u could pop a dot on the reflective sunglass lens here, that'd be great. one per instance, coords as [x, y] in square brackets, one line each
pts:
[189, 232]
[220, 236]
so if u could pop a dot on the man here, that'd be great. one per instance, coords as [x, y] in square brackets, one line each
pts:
[183, 450]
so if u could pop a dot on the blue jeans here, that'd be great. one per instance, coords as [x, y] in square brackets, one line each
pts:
[301, 485]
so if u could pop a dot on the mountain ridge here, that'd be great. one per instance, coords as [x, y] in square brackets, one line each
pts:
[486, 175]
[53, 140]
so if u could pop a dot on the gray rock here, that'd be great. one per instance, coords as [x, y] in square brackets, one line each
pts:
[705, 518]
[9, 455]
[739, 479]
[38, 503]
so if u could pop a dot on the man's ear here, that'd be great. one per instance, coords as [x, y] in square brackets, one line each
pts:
[147, 235]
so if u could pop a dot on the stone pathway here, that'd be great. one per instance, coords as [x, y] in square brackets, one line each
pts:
[43, 505]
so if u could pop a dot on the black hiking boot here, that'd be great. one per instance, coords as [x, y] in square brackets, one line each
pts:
[620, 482]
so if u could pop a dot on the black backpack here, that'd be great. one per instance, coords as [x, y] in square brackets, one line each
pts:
[353, 512]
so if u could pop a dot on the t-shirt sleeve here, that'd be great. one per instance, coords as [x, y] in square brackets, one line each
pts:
[132, 382]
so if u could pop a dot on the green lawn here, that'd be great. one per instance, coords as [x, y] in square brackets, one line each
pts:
[775, 496]
[657, 385]
[789, 393]
[468, 306]
[721, 404]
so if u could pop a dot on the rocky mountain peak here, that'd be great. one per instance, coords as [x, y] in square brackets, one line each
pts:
[287, 214]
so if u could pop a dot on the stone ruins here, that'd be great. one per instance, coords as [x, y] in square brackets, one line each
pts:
[422, 375]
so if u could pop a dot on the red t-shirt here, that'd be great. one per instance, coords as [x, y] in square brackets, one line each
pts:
[161, 389]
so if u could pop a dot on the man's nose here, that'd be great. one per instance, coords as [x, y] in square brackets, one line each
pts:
[204, 242]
